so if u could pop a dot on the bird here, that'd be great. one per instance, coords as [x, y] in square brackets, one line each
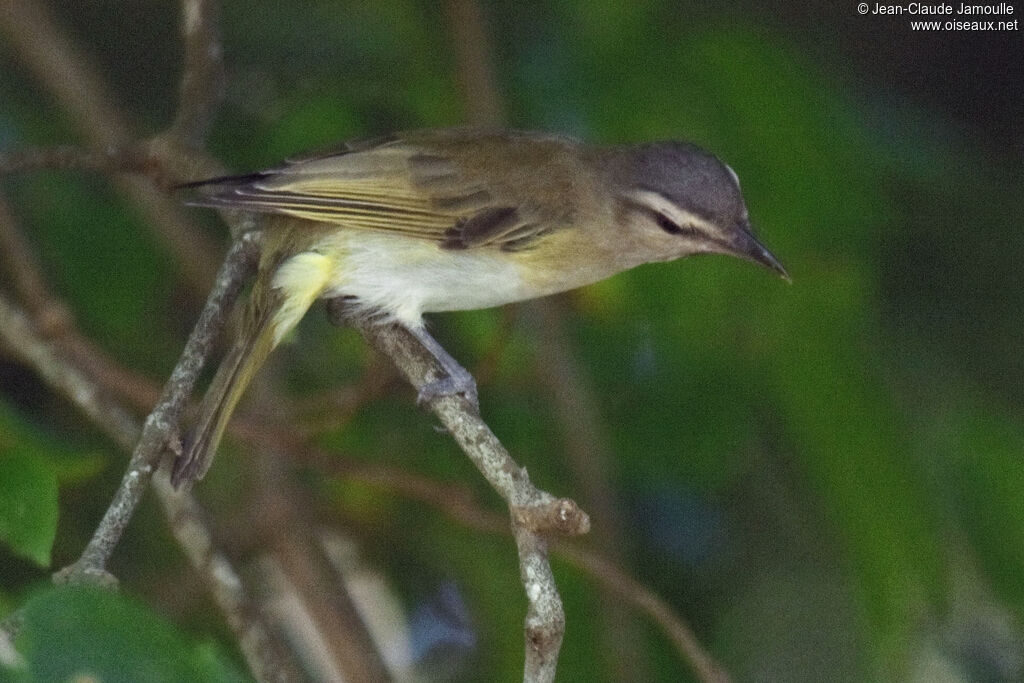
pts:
[457, 219]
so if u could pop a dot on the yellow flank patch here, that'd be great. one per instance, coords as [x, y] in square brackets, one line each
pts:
[301, 279]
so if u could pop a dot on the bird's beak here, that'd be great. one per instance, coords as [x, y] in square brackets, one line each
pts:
[746, 246]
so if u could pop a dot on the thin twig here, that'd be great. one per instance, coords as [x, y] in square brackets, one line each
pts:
[533, 512]
[574, 405]
[617, 581]
[265, 657]
[131, 159]
[202, 80]
[474, 66]
[26, 345]
[23, 267]
[160, 426]
[458, 503]
[543, 511]
[69, 75]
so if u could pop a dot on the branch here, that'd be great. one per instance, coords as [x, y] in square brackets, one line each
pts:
[70, 77]
[53, 59]
[617, 581]
[161, 425]
[25, 344]
[535, 508]
[202, 80]
[474, 66]
[23, 267]
[575, 408]
[533, 512]
[287, 537]
[266, 658]
[458, 503]
[130, 159]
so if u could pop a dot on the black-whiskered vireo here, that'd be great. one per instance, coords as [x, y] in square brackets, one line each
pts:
[453, 220]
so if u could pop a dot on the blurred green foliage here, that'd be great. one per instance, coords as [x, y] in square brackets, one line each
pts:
[28, 505]
[820, 477]
[32, 465]
[79, 633]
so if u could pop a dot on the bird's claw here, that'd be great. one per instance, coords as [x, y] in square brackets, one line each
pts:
[450, 385]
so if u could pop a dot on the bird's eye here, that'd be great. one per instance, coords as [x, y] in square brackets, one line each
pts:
[673, 228]
[667, 224]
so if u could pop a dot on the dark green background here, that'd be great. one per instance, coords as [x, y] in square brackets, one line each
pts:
[825, 479]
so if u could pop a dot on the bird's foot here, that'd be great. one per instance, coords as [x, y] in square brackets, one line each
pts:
[454, 384]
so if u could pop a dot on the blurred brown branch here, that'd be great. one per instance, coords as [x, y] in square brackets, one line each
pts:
[266, 659]
[54, 321]
[23, 268]
[474, 64]
[285, 532]
[69, 76]
[459, 504]
[202, 80]
[132, 159]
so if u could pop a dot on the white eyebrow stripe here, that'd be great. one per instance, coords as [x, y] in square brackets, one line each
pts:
[735, 178]
[659, 203]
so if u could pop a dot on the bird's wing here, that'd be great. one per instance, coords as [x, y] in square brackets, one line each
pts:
[387, 185]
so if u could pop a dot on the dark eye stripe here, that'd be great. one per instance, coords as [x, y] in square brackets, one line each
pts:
[663, 221]
[667, 224]
[673, 228]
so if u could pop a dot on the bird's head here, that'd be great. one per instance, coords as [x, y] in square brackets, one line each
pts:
[677, 200]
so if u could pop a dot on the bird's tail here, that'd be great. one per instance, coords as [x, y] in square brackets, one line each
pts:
[278, 301]
[247, 355]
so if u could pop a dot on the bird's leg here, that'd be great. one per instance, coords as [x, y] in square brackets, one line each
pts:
[345, 310]
[457, 379]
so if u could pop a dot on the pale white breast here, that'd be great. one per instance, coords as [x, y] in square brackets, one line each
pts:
[408, 277]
